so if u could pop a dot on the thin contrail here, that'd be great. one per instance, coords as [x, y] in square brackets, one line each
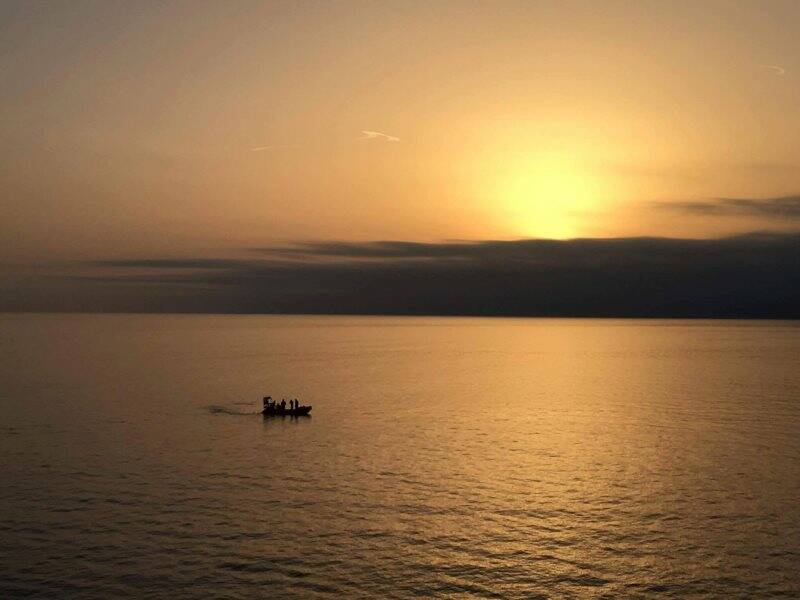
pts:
[779, 71]
[276, 147]
[373, 135]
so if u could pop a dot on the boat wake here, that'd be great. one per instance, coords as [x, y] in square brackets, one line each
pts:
[216, 409]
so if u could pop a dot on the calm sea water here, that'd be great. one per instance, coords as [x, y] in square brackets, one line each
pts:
[517, 458]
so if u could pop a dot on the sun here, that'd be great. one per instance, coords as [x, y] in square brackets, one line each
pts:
[543, 194]
[547, 197]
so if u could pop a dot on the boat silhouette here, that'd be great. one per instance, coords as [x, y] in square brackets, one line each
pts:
[278, 411]
[273, 409]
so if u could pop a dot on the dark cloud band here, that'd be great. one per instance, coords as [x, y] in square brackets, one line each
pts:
[785, 207]
[755, 275]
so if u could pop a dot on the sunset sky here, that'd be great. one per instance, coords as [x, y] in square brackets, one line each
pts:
[168, 130]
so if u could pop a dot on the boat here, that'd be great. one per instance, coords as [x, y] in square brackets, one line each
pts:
[277, 411]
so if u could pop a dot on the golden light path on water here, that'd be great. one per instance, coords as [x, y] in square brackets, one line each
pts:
[445, 457]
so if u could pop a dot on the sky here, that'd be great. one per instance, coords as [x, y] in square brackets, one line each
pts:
[137, 137]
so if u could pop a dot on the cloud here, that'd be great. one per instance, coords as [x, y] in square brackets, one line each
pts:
[377, 135]
[779, 71]
[755, 275]
[780, 208]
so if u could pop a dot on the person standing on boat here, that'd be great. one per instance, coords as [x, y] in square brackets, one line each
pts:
[283, 404]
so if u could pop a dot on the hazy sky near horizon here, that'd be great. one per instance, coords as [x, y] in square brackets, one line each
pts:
[136, 129]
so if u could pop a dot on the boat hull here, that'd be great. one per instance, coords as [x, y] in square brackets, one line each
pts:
[300, 411]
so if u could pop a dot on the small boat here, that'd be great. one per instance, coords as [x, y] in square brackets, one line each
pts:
[277, 411]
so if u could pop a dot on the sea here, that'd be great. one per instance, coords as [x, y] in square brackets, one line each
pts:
[443, 458]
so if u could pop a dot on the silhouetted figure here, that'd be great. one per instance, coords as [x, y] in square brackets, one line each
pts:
[283, 404]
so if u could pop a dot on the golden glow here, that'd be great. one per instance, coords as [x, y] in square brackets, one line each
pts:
[547, 196]
[514, 119]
